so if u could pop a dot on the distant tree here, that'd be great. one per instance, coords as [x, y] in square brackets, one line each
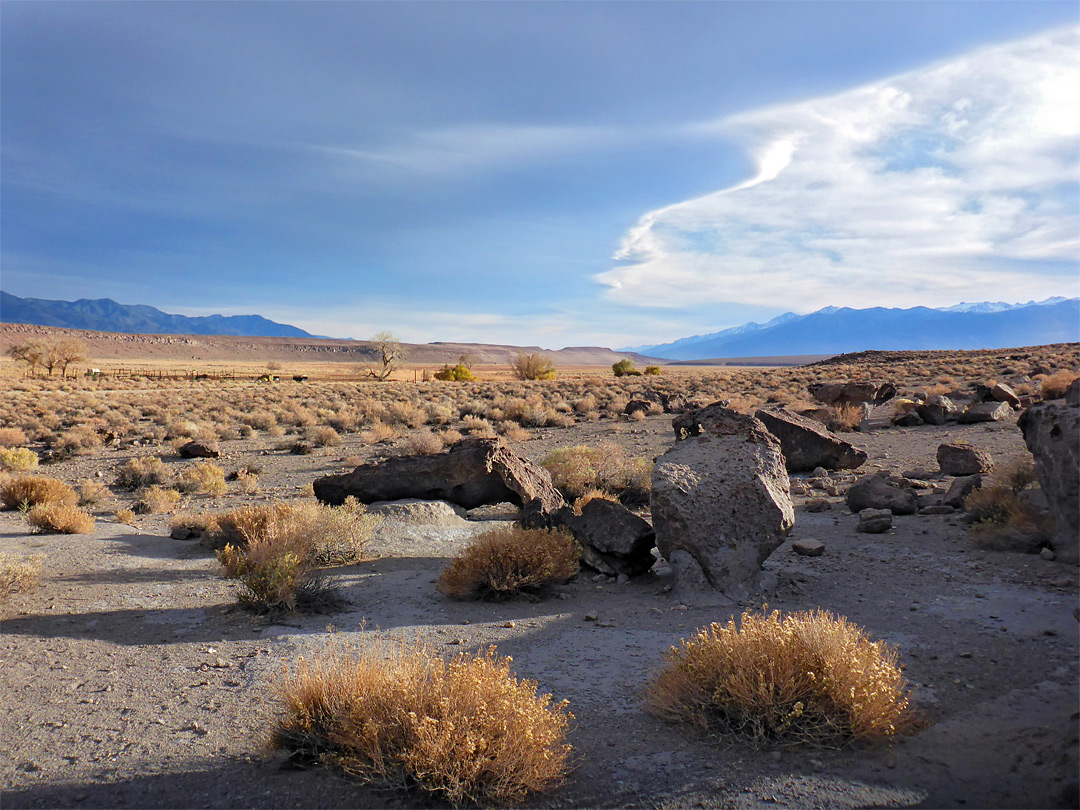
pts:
[459, 373]
[625, 368]
[468, 360]
[273, 365]
[533, 367]
[391, 354]
[32, 352]
[67, 351]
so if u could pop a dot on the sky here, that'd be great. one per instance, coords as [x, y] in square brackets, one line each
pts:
[539, 173]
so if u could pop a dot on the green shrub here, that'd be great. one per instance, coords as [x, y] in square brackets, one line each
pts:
[533, 367]
[652, 371]
[606, 467]
[625, 368]
[458, 373]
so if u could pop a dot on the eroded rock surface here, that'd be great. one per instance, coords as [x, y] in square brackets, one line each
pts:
[963, 459]
[883, 491]
[806, 443]
[1052, 434]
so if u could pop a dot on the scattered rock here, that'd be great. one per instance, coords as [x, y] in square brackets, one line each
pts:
[471, 473]
[1072, 393]
[874, 521]
[199, 449]
[908, 419]
[937, 410]
[963, 459]
[1048, 554]
[959, 490]
[806, 443]
[818, 505]
[613, 539]
[883, 491]
[937, 509]
[808, 548]
[1052, 434]
[720, 501]
[985, 412]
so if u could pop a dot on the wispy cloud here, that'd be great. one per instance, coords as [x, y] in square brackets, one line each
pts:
[953, 182]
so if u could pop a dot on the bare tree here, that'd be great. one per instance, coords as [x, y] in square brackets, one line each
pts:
[32, 353]
[391, 354]
[468, 360]
[69, 350]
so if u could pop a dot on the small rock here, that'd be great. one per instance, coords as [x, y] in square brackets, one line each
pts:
[510, 625]
[181, 533]
[939, 509]
[221, 663]
[874, 521]
[809, 548]
[1047, 554]
[818, 505]
[592, 617]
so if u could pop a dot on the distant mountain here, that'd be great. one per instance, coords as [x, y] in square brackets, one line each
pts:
[834, 330]
[105, 315]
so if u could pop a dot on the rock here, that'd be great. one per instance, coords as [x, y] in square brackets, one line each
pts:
[1072, 393]
[414, 512]
[720, 502]
[613, 539]
[636, 406]
[883, 491]
[798, 488]
[963, 459]
[851, 392]
[808, 547]
[818, 505]
[471, 473]
[874, 521]
[959, 490]
[936, 509]
[181, 533]
[908, 419]
[1048, 554]
[806, 444]
[302, 448]
[198, 449]
[1003, 393]
[1052, 434]
[984, 412]
[937, 410]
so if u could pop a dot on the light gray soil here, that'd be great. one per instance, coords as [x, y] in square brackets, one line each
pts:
[131, 679]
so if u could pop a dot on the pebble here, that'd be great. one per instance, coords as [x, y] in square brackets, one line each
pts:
[592, 617]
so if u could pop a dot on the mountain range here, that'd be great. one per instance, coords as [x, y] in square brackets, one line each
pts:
[835, 330]
[105, 315]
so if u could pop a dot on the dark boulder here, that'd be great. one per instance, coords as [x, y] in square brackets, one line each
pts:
[806, 443]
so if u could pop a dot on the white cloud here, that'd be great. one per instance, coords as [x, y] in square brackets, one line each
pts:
[956, 181]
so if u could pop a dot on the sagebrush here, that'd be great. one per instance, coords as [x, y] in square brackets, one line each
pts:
[509, 560]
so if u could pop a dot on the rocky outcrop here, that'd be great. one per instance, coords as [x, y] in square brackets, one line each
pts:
[936, 410]
[198, 449]
[806, 443]
[883, 491]
[963, 459]
[984, 412]
[473, 472]
[1052, 434]
[613, 539]
[843, 393]
[720, 502]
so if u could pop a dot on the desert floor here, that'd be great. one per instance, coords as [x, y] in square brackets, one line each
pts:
[132, 679]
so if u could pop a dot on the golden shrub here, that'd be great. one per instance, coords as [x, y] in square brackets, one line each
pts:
[19, 459]
[423, 443]
[576, 470]
[19, 573]
[508, 560]
[202, 478]
[142, 471]
[465, 730]
[31, 490]
[91, 492]
[807, 677]
[60, 518]
[12, 437]
[154, 500]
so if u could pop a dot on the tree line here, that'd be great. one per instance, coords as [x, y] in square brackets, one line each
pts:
[50, 355]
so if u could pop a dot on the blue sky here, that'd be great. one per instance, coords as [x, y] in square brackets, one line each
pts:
[551, 173]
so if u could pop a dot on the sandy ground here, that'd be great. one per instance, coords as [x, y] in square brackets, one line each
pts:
[131, 679]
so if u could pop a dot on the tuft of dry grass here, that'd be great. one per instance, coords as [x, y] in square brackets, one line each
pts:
[506, 561]
[466, 730]
[1053, 386]
[607, 467]
[808, 677]
[125, 516]
[12, 437]
[142, 471]
[30, 490]
[423, 443]
[154, 500]
[248, 481]
[92, 492]
[19, 459]
[323, 436]
[60, 518]
[378, 432]
[19, 573]
[202, 478]
[1005, 519]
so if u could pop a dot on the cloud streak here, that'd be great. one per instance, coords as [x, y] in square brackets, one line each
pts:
[953, 182]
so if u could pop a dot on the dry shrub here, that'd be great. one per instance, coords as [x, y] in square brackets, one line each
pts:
[125, 516]
[1005, 517]
[576, 470]
[406, 413]
[142, 471]
[60, 518]
[514, 432]
[203, 478]
[275, 572]
[845, 417]
[592, 495]
[154, 500]
[477, 427]
[12, 437]
[451, 436]
[19, 573]
[78, 441]
[378, 432]
[204, 523]
[31, 490]
[508, 560]
[323, 436]
[18, 458]
[423, 443]
[249, 481]
[1053, 385]
[465, 730]
[91, 492]
[808, 677]
[533, 367]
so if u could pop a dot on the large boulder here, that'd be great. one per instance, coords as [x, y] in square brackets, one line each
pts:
[937, 410]
[1004, 393]
[473, 472]
[984, 412]
[613, 539]
[199, 449]
[963, 459]
[806, 443]
[842, 393]
[883, 491]
[1052, 434]
[720, 503]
